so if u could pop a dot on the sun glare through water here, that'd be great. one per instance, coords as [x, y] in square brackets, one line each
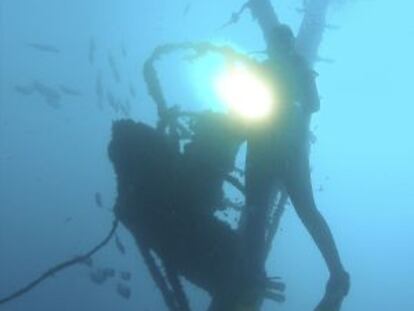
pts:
[245, 92]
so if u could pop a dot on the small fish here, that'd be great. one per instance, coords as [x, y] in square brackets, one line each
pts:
[114, 68]
[67, 220]
[132, 91]
[119, 245]
[6, 156]
[112, 102]
[53, 102]
[312, 138]
[97, 276]
[51, 95]
[126, 109]
[187, 8]
[301, 10]
[233, 20]
[125, 275]
[123, 290]
[99, 90]
[44, 47]
[98, 199]
[108, 272]
[69, 91]
[332, 27]
[24, 90]
[91, 51]
[128, 105]
[124, 50]
[320, 189]
[325, 60]
[125, 112]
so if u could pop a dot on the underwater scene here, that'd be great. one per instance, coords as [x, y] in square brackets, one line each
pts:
[189, 155]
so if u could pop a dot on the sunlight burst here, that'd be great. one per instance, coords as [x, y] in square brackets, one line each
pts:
[245, 92]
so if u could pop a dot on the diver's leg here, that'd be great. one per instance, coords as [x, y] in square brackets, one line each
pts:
[299, 187]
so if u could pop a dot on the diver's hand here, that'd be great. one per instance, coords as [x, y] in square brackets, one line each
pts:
[336, 290]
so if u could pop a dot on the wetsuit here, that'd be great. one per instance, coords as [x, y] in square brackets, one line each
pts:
[277, 152]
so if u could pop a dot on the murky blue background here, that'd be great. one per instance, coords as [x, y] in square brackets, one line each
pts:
[52, 161]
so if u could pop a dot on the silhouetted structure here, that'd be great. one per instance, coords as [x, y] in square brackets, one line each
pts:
[167, 200]
[277, 158]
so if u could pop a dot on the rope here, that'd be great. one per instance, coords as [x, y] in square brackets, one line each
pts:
[59, 267]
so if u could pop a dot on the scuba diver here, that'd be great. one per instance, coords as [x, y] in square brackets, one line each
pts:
[168, 193]
[278, 155]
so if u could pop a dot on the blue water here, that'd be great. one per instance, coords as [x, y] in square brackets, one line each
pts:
[53, 161]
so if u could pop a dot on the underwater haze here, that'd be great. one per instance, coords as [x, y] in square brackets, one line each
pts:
[68, 69]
